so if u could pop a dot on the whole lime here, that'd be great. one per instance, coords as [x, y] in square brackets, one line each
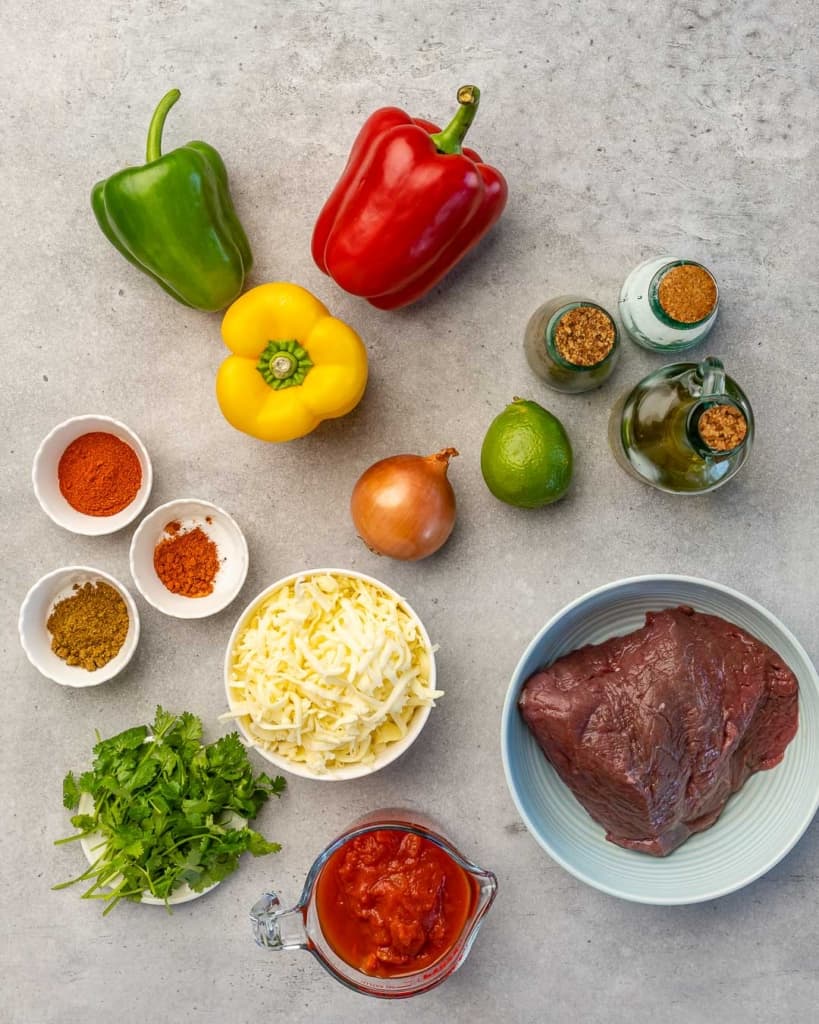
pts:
[526, 457]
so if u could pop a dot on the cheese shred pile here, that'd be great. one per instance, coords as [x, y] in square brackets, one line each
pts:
[329, 671]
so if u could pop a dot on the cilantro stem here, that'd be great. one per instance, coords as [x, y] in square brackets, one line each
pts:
[71, 839]
[114, 901]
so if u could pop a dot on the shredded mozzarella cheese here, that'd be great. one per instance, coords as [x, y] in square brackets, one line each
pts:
[329, 671]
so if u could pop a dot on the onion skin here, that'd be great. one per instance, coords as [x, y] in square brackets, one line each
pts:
[404, 506]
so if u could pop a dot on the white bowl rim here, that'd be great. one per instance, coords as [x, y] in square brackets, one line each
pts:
[140, 498]
[349, 772]
[241, 545]
[133, 614]
[510, 706]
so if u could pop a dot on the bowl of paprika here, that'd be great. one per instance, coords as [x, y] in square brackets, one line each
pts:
[92, 475]
[189, 558]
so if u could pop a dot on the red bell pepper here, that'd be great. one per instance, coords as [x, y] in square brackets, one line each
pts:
[410, 204]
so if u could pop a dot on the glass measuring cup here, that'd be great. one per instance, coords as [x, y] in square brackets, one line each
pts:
[301, 926]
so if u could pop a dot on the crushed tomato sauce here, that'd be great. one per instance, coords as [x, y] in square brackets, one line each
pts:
[392, 903]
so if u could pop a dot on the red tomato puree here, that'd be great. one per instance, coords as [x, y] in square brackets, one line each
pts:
[392, 903]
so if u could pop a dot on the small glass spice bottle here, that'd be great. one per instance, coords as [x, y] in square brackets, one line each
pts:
[571, 344]
[669, 304]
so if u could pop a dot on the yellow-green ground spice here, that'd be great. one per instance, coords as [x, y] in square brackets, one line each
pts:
[88, 628]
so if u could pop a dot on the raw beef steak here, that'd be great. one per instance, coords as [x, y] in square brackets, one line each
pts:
[653, 731]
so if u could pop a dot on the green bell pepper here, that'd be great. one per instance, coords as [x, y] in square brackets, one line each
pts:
[174, 219]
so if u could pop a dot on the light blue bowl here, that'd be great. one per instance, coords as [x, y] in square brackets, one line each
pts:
[760, 824]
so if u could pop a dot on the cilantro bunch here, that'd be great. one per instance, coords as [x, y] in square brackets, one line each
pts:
[165, 809]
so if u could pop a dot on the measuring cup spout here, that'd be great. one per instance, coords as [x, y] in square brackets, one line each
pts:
[274, 928]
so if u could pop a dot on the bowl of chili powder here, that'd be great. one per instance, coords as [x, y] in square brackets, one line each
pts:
[189, 558]
[92, 475]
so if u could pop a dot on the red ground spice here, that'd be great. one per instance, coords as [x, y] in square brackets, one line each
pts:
[98, 474]
[186, 561]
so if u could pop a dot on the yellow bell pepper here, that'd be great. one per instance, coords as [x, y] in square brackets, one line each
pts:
[293, 365]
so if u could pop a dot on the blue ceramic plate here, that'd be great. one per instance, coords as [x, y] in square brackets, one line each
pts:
[760, 824]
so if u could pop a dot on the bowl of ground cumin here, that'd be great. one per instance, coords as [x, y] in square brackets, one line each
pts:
[92, 475]
[189, 558]
[79, 626]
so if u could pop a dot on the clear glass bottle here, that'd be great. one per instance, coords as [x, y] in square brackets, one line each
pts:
[686, 428]
[541, 345]
[659, 298]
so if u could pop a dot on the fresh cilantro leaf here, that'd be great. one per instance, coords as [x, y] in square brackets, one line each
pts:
[259, 846]
[71, 792]
[228, 756]
[162, 722]
[128, 740]
[87, 782]
[274, 786]
[144, 774]
[190, 727]
[167, 791]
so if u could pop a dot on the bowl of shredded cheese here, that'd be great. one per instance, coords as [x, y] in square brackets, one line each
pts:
[330, 674]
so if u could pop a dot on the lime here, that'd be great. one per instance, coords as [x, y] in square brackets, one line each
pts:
[526, 458]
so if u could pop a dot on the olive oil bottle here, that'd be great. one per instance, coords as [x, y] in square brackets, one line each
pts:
[686, 428]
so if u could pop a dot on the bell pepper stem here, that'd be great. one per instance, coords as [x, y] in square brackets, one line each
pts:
[284, 364]
[452, 137]
[153, 150]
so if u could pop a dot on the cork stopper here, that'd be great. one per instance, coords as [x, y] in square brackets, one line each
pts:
[687, 293]
[584, 336]
[722, 428]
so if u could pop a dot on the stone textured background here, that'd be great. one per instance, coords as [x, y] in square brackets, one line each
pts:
[625, 130]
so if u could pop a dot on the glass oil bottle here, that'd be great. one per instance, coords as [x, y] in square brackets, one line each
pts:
[687, 428]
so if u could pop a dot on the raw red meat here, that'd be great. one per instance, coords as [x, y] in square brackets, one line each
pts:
[655, 730]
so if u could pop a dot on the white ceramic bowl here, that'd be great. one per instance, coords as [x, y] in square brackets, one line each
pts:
[231, 548]
[390, 753]
[760, 823]
[36, 639]
[47, 487]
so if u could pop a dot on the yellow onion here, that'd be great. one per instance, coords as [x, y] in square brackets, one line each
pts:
[404, 506]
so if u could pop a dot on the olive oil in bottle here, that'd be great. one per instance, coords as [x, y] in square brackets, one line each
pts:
[686, 428]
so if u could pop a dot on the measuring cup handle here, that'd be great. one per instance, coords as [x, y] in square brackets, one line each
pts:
[274, 928]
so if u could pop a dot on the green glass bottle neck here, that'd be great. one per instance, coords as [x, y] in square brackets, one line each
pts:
[710, 380]
[695, 438]
[656, 306]
[550, 338]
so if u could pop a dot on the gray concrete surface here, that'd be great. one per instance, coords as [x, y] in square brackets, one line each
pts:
[625, 130]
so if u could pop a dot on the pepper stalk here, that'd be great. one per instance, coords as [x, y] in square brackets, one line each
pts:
[153, 149]
[450, 140]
